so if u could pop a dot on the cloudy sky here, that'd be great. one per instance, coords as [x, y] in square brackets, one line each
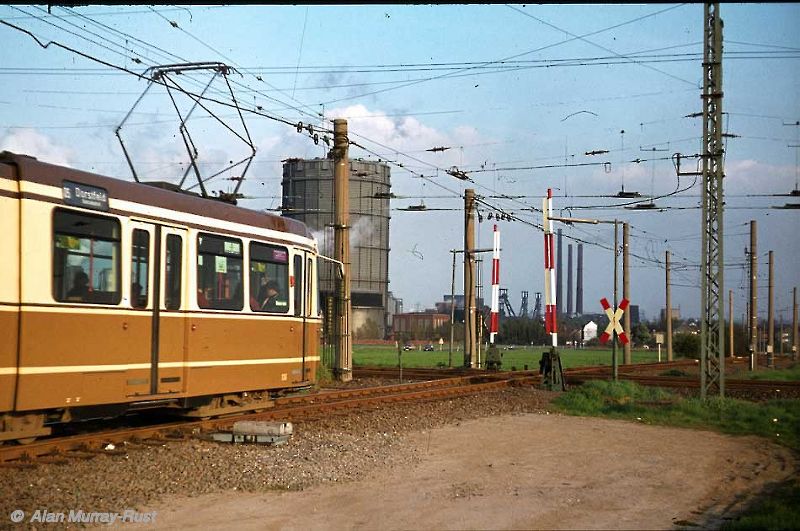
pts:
[519, 94]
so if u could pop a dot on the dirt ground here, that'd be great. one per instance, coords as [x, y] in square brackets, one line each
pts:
[521, 472]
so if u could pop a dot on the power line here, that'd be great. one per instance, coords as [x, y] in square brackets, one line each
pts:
[542, 48]
[121, 13]
[299, 109]
[600, 46]
[45, 45]
[165, 54]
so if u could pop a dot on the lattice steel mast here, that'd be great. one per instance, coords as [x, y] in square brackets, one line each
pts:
[712, 336]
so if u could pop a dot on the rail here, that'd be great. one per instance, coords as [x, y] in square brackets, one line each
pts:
[304, 407]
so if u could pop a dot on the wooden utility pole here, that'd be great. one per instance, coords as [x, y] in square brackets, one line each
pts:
[795, 339]
[341, 200]
[730, 323]
[626, 291]
[753, 315]
[614, 359]
[771, 315]
[452, 310]
[470, 332]
[668, 315]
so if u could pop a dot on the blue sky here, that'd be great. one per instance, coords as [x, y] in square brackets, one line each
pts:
[371, 64]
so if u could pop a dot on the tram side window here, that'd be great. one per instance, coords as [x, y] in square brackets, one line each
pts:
[86, 258]
[140, 253]
[172, 267]
[310, 288]
[269, 278]
[298, 285]
[219, 273]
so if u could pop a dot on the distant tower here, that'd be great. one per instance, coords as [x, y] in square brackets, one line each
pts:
[537, 307]
[505, 305]
[579, 287]
[559, 304]
[523, 309]
[569, 280]
[307, 188]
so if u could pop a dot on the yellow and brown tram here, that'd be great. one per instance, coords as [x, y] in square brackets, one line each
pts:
[117, 295]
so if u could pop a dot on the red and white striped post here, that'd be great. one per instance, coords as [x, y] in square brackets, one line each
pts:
[494, 322]
[550, 317]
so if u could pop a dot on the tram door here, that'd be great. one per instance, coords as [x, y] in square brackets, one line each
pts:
[168, 374]
[158, 281]
[303, 290]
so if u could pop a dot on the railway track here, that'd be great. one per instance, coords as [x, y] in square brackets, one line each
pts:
[437, 384]
[296, 408]
[579, 375]
[731, 384]
[438, 373]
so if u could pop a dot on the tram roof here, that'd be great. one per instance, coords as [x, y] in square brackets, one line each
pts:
[32, 170]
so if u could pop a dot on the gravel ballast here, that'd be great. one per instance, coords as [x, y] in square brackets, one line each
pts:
[339, 448]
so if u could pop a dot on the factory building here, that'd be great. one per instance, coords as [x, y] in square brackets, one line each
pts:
[307, 191]
[419, 325]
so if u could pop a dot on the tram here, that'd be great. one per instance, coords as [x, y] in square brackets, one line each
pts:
[118, 296]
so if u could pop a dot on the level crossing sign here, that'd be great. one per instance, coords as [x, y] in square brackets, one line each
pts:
[614, 324]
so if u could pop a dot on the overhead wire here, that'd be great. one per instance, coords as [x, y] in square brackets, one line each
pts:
[126, 13]
[584, 39]
[424, 162]
[90, 57]
[300, 109]
[416, 159]
[539, 49]
[164, 54]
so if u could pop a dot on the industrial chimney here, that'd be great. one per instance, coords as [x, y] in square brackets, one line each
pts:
[579, 287]
[569, 280]
[559, 304]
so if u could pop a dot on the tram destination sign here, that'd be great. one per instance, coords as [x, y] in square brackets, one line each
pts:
[83, 195]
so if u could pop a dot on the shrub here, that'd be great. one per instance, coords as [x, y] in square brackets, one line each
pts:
[324, 375]
[686, 345]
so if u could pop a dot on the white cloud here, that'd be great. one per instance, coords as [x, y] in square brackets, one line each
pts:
[32, 142]
[752, 176]
[406, 134]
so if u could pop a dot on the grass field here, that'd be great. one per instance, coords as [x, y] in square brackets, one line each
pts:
[386, 356]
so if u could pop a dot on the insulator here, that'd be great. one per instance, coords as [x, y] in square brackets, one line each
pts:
[316, 139]
[310, 129]
[489, 216]
[299, 127]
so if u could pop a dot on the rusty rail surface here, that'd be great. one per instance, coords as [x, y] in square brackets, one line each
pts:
[304, 407]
